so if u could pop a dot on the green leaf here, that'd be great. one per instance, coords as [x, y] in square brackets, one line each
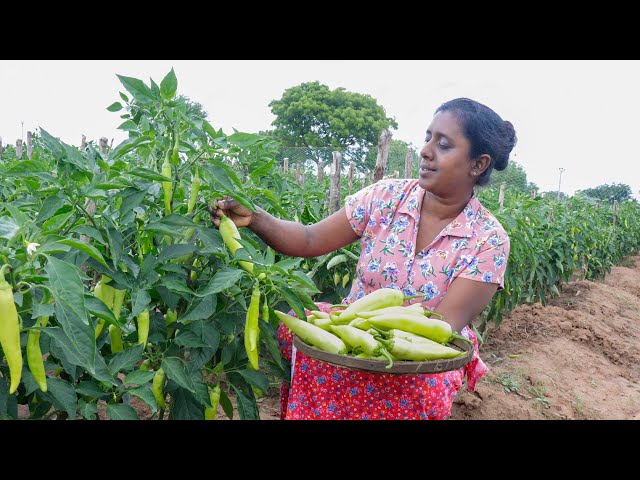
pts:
[121, 411]
[176, 370]
[140, 299]
[8, 227]
[74, 157]
[55, 223]
[176, 284]
[200, 308]
[226, 405]
[137, 88]
[89, 231]
[293, 300]
[306, 300]
[63, 396]
[157, 227]
[185, 406]
[89, 389]
[123, 96]
[66, 286]
[178, 221]
[131, 201]
[169, 85]
[90, 250]
[147, 174]
[189, 339]
[52, 143]
[211, 239]
[49, 207]
[145, 394]
[126, 359]
[128, 126]
[88, 410]
[42, 310]
[304, 280]
[27, 168]
[257, 379]
[175, 251]
[222, 280]
[247, 407]
[115, 244]
[128, 145]
[114, 107]
[98, 308]
[244, 139]
[139, 377]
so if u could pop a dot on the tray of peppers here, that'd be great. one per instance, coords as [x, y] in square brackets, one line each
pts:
[376, 333]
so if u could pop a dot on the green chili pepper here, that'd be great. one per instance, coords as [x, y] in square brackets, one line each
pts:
[106, 293]
[167, 187]
[414, 309]
[193, 195]
[406, 350]
[115, 336]
[145, 365]
[214, 398]
[230, 234]
[312, 334]
[143, 327]
[361, 341]
[384, 297]
[175, 157]
[157, 386]
[252, 328]
[432, 328]
[10, 331]
[34, 354]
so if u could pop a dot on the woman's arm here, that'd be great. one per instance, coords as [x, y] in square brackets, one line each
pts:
[464, 301]
[289, 238]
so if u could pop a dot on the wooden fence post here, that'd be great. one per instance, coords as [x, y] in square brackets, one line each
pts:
[408, 164]
[19, 149]
[501, 197]
[29, 146]
[320, 175]
[334, 196]
[615, 212]
[383, 153]
[285, 166]
[534, 194]
[83, 144]
[103, 145]
[352, 168]
[298, 170]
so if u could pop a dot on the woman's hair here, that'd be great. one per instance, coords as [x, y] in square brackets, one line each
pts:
[486, 131]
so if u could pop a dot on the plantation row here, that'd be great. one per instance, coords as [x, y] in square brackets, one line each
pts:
[123, 286]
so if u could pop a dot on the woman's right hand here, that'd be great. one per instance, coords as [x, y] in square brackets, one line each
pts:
[240, 215]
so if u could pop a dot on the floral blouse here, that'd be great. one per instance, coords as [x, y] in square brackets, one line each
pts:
[386, 216]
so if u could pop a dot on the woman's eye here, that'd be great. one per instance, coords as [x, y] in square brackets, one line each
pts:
[444, 146]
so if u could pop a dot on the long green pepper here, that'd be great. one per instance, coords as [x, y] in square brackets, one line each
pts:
[252, 328]
[34, 354]
[10, 331]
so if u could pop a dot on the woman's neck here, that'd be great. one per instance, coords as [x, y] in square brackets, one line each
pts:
[441, 208]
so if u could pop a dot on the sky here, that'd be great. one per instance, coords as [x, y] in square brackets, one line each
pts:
[579, 115]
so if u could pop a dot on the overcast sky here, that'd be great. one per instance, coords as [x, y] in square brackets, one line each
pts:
[583, 116]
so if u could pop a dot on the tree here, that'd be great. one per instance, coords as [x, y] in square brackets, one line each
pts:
[194, 109]
[514, 176]
[609, 193]
[311, 115]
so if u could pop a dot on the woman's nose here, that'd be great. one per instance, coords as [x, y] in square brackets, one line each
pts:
[425, 151]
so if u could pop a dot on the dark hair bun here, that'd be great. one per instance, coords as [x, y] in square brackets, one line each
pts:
[510, 141]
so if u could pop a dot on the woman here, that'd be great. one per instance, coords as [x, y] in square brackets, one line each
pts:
[429, 235]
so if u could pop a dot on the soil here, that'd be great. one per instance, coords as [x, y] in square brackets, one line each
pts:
[575, 358]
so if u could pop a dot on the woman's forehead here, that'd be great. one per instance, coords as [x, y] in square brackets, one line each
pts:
[445, 123]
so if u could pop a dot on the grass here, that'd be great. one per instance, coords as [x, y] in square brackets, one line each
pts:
[510, 381]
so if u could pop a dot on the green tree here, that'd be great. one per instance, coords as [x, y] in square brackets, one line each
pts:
[514, 176]
[312, 115]
[609, 193]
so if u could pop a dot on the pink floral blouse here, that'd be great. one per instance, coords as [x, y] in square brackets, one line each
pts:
[386, 216]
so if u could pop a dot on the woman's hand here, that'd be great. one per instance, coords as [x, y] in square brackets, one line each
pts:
[240, 215]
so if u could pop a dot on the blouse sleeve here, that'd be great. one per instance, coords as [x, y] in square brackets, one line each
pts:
[358, 207]
[489, 262]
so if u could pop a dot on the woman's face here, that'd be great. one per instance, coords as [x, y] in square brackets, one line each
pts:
[445, 166]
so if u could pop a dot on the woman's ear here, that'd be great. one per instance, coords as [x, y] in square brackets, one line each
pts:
[480, 164]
